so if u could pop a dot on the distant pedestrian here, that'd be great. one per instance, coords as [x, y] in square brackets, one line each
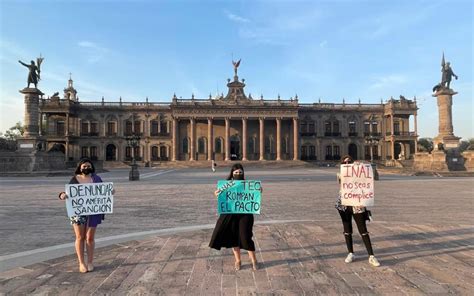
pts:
[84, 226]
[213, 166]
[361, 215]
[235, 230]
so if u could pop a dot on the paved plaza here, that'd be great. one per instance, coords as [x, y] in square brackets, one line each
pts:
[156, 242]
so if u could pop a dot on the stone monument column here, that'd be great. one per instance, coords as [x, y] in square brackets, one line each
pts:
[31, 136]
[31, 111]
[445, 130]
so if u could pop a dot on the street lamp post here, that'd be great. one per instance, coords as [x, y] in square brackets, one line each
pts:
[372, 139]
[134, 142]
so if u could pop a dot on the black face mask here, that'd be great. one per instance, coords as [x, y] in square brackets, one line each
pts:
[86, 171]
[238, 177]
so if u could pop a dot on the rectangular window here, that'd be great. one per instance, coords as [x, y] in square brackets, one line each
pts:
[336, 151]
[154, 127]
[111, 128]
[84, 128]
[94, 129]
[352, 127]
[128, 128]
[84, 152]
[60, 128]
[311, 128]
[93, 152]
[128, 152]
[163, 127]
[137, 127]
[396, 128]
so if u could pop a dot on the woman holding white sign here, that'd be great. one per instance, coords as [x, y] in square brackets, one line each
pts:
[360, 215]
[235, 230]
[84, 226]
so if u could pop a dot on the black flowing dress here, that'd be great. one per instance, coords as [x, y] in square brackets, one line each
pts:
[233, 230]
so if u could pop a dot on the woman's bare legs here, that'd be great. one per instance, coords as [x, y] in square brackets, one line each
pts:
[236, 251]
[253, 257]
[90, 245]
[80, 230]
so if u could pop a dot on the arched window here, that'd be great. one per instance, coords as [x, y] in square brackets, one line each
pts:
[218, 145]
[202, 145]
[111, 152]
[154, 153]
[185, 145]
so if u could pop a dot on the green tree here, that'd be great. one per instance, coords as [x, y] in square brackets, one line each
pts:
[425, 144]
[14, 132]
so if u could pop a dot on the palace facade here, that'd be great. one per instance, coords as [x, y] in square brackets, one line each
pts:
[230, 127]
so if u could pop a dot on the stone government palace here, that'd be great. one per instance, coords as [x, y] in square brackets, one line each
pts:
[230, 127]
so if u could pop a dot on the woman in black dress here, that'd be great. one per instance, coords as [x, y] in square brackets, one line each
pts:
[235, 230]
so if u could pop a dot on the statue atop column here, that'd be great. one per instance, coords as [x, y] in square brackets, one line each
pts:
[446, 76]
[35, 71]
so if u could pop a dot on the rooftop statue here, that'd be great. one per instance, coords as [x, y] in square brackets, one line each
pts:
[35, 71]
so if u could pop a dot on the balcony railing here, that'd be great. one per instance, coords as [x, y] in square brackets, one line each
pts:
[353, 134]
[366, 134]
[128, 134]
[332, 134]
[111, 134]
[155, 134]
[308, 134]
[405, 134]
[91, 134]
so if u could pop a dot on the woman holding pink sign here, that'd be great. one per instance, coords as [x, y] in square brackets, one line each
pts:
[235, 230]
[84, 226]
[360, 215]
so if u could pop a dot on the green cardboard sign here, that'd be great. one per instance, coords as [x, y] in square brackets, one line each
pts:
[239, 196]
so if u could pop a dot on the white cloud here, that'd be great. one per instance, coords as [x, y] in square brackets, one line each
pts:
[94, 52]
[388, 81]
[236, 18]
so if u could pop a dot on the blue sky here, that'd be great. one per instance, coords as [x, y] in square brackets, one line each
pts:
[331, 50]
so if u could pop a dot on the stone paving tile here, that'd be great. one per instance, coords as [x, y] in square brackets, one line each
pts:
[296, 259]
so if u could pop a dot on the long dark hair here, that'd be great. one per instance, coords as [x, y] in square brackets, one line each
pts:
[81, 162]
[236, 166]
[351, 160]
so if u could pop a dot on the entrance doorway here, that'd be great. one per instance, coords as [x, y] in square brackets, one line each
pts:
[353, 150]
[111, 152]
[234, 148]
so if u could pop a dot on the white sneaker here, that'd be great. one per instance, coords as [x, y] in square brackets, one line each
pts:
[350, 257]
[373, 261]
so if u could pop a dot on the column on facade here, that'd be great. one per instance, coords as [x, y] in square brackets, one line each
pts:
[262, 139]
[67, 124]
[416, 133]
[278, 141]
[174, 139]
[193, 140]
[244, 138]
[67, 150]
[392, 137]
[41, 124]
[227, 139]
[296, 148]
[210, 137]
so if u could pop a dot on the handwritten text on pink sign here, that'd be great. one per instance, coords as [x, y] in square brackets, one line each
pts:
[357, 185]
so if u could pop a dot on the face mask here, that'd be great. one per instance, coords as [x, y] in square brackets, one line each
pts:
[86, 171]
[238, 176]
